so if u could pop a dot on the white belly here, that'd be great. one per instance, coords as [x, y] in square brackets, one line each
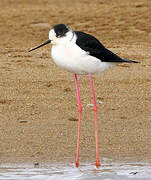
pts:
[72, 58]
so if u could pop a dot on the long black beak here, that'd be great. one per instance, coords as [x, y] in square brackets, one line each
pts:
[43, 44]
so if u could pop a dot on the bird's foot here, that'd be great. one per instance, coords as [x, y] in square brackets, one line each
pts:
[77, 164]
[98, 164]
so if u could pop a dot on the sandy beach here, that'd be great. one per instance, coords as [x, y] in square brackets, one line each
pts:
[38, 103]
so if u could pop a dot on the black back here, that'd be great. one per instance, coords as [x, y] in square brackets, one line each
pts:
[94, 47]
[60, 30]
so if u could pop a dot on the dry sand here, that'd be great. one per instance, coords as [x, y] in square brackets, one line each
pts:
[38, 103]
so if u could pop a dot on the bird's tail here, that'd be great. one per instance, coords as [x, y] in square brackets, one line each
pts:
[129, 61]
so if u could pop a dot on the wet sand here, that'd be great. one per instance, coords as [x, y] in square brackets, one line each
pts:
[38, 103]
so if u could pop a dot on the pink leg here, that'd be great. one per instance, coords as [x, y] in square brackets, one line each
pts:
[80, 110]
[96, 123]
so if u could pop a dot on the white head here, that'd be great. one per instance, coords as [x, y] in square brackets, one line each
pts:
[59, 34]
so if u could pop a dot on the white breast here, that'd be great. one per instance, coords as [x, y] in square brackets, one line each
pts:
[71, 57]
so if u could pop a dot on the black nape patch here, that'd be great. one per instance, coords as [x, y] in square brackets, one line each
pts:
[60, 30]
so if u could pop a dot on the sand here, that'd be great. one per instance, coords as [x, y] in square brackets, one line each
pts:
[38, 103]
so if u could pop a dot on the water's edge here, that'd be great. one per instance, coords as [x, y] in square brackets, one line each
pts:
[108, 170]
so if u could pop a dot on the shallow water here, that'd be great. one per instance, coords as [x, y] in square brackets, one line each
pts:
[108, 171]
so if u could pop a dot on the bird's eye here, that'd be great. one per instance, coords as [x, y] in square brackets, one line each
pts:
[61, 34]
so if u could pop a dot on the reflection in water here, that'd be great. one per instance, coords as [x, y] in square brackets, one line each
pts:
[108, 171]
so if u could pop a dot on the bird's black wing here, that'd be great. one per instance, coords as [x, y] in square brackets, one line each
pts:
[94, 47]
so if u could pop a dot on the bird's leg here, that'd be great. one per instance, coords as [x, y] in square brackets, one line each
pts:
[96, 123]
[80, 111]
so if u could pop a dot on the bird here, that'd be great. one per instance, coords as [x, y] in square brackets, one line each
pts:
[81, 53]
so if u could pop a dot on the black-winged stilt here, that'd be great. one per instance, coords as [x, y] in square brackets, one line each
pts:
[81, 53]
